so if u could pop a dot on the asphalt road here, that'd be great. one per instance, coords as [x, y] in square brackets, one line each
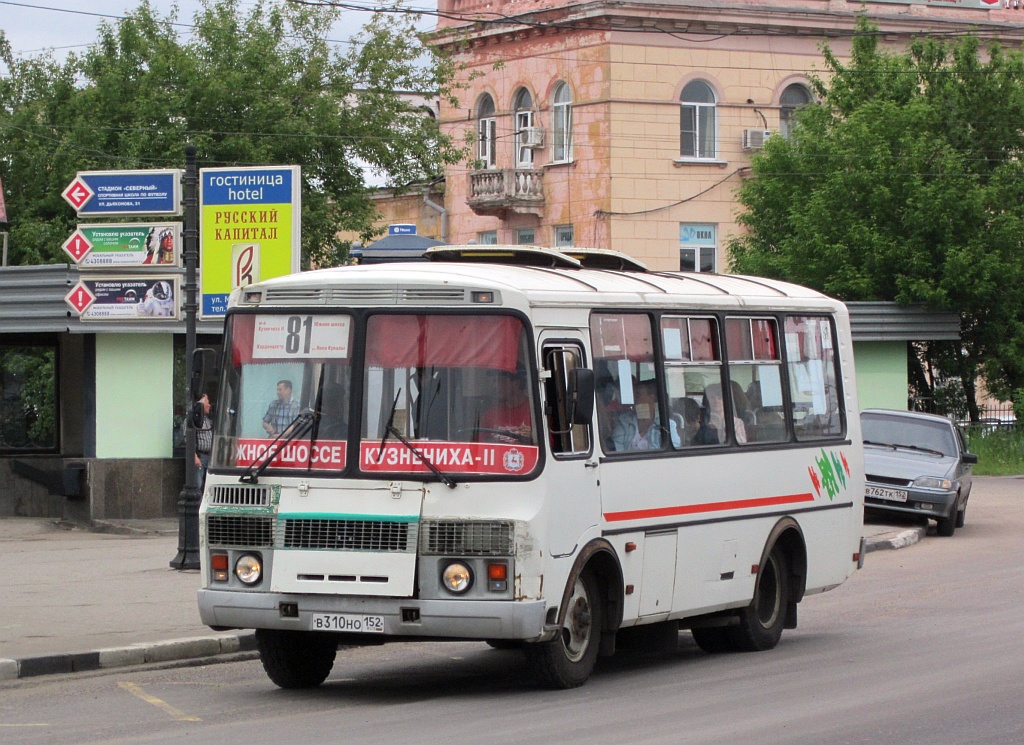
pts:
[925, 645]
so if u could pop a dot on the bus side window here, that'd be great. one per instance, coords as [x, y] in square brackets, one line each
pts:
[693, 367]
[755, 379]
[816, 404]
[566, 437]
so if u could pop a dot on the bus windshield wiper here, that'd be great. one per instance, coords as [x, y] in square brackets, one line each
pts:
[298, 426]
[443, 477]
[389, 426]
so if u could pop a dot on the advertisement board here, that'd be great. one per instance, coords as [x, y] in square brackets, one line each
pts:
[123, 298]
[102, 246]
[251, 229]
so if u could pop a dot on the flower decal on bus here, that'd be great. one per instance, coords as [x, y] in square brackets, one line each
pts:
[830, 474]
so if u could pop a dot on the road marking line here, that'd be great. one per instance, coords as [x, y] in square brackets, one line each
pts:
[137, 691]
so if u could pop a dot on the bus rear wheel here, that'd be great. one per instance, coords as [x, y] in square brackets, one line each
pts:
[296, 659]
[567, 662]
[761, 622]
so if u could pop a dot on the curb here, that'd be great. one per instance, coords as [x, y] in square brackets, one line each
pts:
[894, 540]
[136, 654]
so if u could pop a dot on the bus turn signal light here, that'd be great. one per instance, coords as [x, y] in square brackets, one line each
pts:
[497, 576]
[219, 567]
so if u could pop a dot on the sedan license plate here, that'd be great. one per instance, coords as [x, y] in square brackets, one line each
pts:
[889, 495]
[350, 622]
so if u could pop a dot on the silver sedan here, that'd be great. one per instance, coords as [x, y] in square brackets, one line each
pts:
[916, 464]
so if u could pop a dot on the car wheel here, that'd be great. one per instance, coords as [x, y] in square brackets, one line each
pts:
[961, 517]
[947, 525]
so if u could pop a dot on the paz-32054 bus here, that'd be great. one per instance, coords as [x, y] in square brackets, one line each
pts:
[537, 449]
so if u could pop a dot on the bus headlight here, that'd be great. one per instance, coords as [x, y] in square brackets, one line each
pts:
[249, 569]
[457, 577]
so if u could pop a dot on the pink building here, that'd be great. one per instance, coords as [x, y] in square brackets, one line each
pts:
[628, 125]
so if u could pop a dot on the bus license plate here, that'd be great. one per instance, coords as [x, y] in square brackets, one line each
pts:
[351, 623]
[889, 495]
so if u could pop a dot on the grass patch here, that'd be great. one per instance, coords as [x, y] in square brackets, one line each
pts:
[1000, 452]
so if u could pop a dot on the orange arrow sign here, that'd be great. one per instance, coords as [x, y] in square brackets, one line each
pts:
[77, 193]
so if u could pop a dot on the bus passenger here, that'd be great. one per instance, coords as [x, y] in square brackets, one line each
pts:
[716, 414]
[640, 428]
[510, 418]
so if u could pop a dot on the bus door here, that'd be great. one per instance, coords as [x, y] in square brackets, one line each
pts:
[571, 474]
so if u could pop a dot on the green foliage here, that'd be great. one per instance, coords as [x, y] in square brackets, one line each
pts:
[1000, 452]
[905, 183]
[28, 405]
[254, 84]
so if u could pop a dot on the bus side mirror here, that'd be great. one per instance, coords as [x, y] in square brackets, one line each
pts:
[196, 385]
[197, 414]
[580, 395]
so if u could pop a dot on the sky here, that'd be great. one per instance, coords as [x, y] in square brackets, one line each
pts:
[34, 26]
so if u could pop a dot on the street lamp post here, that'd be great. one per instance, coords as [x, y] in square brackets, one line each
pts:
[188, 501]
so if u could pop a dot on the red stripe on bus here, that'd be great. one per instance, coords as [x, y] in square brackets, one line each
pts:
[695, 509]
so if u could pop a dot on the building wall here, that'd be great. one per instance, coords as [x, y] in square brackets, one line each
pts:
[881, 374]
[134, 386]
[627, 188]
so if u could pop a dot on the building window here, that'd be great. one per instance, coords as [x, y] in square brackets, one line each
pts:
[486, 133]
[793, 97]
[563, 236]
[697, 122]
[525, 237]
[523, 108]
[487, 238]
[561, 124]
[698, 243]
[28, 397]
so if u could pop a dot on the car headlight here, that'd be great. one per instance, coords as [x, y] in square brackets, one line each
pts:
[457, 577]
[931, 482]
[249, 568]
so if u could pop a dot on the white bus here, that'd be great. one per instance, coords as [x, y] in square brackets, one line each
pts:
[530, 448]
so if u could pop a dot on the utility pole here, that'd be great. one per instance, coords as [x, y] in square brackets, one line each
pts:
[188, 501]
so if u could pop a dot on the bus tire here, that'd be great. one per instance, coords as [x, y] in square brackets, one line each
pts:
[761, 623]
[296, 659]
[567, 662]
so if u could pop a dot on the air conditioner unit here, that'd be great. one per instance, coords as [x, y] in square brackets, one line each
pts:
[754, 139]
[532, 136]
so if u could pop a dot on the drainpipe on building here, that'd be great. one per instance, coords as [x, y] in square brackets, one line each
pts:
[440, 210]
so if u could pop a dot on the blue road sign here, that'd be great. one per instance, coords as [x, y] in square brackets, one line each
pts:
[101, 193]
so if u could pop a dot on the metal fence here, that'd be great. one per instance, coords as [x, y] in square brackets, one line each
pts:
[991, 417]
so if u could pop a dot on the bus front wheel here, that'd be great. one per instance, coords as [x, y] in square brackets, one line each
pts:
[761, 622]
[567, 661]
[296, 659]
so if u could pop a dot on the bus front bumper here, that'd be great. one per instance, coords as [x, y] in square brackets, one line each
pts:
[402, 617]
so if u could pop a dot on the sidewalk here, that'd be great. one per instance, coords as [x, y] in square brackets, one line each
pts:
[75, 600]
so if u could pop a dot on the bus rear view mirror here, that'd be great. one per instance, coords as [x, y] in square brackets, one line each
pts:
[580, 395]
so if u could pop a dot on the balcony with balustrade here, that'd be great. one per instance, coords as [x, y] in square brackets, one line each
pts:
[509, 190]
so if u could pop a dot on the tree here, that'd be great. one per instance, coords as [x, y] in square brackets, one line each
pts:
[905, 182]
[257, 86]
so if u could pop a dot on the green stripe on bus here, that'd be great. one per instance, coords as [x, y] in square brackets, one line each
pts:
[339, 516]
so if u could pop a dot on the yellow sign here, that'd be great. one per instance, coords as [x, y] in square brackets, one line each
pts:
[251, 222]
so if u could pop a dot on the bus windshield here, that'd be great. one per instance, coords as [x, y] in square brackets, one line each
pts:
[451, 389]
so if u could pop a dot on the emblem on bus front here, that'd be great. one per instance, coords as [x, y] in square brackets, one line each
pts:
[514, 460]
